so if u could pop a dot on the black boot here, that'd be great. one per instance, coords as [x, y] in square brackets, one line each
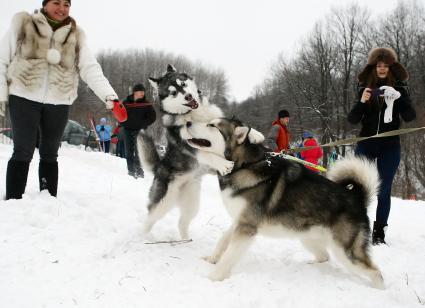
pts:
[378, 233]
[48, 177]
[16, 179]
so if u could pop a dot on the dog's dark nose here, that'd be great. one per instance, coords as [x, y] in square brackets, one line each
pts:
[189, 124]
[188, 97]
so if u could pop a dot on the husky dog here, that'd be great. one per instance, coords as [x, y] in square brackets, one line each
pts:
[178, 172]
[269, 195]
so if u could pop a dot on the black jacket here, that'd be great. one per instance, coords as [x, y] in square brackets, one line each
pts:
[371, 114]
[140, 113]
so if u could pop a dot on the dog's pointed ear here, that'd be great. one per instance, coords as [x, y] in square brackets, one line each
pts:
[171, 69]
[241, 132]
[255, 136]
[154, 82]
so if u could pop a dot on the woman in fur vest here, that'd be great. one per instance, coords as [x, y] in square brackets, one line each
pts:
[383, 100]
[41, 58]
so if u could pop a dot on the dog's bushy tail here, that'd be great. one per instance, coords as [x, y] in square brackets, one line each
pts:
[147, 151]
[356, 170]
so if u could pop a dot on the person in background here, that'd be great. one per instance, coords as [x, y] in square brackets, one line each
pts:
[118, 139]
[103, 130]
[140, 114]
[42, 56]
[311, 155]
[279, 136]
[383, 100]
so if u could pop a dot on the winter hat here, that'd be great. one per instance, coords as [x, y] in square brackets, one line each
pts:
[388, 56]
[283, 114]
[307, 135]
[103, 121]
[45, 2]
[139, 87]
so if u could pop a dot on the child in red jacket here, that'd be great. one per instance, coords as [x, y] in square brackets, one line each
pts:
[312, 155]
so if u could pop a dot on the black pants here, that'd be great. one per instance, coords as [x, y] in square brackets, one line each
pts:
[105, 145]
[120, 151]
[132, 156]
[29, 118]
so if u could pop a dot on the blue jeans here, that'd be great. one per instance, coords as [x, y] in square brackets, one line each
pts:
[387, 156]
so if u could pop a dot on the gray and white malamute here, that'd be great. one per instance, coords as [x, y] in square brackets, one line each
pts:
[279, 197]
[177, 174]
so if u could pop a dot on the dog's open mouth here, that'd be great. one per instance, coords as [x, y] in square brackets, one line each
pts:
[191, 102]
[200, 142]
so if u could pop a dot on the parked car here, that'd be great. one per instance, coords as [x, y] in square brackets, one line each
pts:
[77, 134]
[74, 133]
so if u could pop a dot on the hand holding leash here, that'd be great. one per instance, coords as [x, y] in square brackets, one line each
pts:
[118, 110]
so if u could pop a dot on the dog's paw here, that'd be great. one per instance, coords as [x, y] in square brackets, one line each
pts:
[378, 281]
[321, 259]
[218, 276]
[255, 136]
[226, 168]
[210, 259]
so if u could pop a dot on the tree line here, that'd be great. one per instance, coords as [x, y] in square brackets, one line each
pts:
[318, 84]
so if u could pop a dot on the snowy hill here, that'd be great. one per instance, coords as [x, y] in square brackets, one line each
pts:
[83, 249]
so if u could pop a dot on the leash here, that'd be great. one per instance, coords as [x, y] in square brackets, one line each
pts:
[357, 139]
[298, 160]
[338, 143]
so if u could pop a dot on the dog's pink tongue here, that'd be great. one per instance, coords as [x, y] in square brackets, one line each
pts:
[193, 104]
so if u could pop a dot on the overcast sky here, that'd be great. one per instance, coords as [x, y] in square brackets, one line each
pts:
[243, 37]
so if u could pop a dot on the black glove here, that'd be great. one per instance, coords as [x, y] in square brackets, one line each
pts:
[102, 128]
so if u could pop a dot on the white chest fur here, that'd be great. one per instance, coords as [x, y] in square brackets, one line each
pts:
[234, 205]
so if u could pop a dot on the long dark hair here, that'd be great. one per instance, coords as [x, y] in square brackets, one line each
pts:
[373, 82]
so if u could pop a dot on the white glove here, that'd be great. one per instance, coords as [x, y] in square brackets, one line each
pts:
[390, 95]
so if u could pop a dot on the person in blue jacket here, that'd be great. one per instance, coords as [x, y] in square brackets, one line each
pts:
[103, 130]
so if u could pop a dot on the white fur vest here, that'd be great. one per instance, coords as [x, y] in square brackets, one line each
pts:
[45, 64]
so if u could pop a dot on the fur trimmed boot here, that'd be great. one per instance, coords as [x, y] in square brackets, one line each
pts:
[378, 233]
[48, 177]
[16, 178]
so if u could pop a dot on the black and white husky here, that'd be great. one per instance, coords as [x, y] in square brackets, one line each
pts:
[177, 175]
[273, 196]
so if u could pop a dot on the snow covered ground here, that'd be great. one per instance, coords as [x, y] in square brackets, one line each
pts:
[83, 249]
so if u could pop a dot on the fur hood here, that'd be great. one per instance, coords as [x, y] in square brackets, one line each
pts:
[388, 56]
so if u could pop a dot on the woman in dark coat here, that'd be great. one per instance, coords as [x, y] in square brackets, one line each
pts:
[383, 101]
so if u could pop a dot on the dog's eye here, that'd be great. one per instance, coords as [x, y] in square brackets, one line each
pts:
[183, 84]
[210, 125]
[173, 93]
